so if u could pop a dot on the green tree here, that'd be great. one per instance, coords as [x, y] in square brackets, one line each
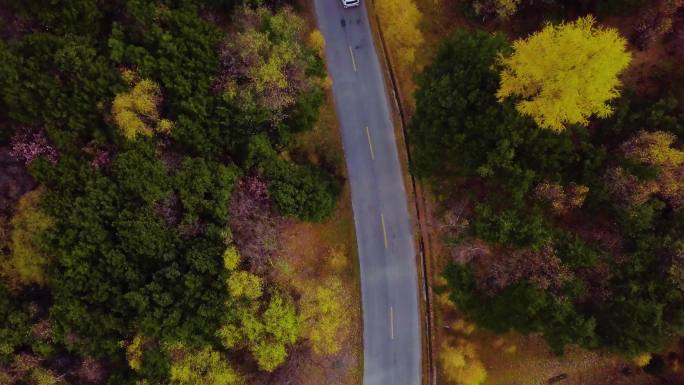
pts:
[573, 79]
[303, 191]
[204, 188]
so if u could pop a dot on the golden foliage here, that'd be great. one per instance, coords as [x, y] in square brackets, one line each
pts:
[657, 150]
[317, 42]
[135, 351]
[27, 261]
[560, 198]
[400, 20]
[565, 73]
[642, 359]
[460, 364]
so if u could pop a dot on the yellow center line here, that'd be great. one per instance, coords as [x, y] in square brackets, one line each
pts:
[351, 53]
[384, 231]
[391, 322]
[370, 144]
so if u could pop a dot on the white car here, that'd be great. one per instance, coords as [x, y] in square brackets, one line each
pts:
[350, 3]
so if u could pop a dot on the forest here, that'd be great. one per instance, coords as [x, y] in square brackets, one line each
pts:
[549, 136]
[147, 151]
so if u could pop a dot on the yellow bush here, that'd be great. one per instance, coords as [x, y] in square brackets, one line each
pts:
[231, 258]
[642, 359]
[461, 365]
[317, 42]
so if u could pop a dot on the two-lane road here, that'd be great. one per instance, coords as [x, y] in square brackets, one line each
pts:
[389, 287]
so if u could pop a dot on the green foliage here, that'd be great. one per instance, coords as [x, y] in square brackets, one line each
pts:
[522, 307]
[618, 263]
[204, 189]
[32, 94]
[61, 17]
[119, 267]
[511, 226]
[137, 244]
[302, 191]
[14, 325]
[139, 173]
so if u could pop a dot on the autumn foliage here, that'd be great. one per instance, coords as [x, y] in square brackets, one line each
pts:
[565, 73]
[400, 21]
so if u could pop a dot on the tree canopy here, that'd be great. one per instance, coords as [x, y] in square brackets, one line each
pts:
[565, 73]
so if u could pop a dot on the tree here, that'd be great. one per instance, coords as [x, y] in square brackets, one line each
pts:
[400, 20]
[264, 64]
[204, 188]
[654, 166]
[565, 73]
[137, 112]
[317, 42]
[265, 333]
[460, 364]
[28, 261]
[302, 191]
[200, 367]
[489, 139]
[244, 284]
[323, 316]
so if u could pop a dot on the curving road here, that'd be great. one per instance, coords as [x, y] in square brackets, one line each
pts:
[389, 286]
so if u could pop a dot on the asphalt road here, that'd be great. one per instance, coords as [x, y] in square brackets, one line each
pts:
[389, 286]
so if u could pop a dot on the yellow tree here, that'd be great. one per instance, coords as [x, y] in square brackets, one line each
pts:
[200, 367]
[400, 19]
[27, 261]
[136, 112]
[323, 316]
[565, 73]
[461, 365]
